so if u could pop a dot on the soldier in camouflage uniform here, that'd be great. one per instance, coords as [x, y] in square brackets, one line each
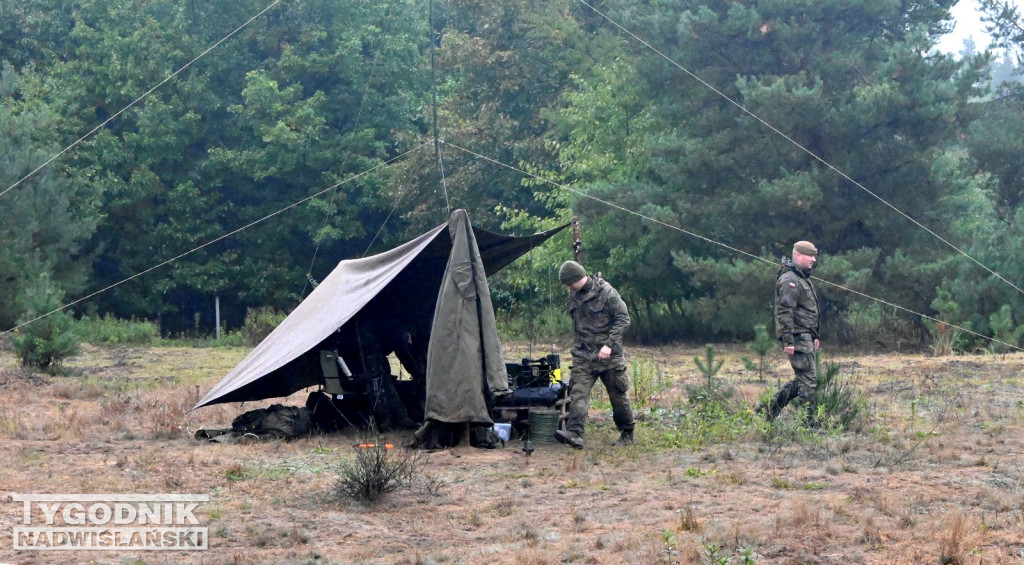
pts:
[378, 337]
[796, 327]
[365, 344]
[599, 319]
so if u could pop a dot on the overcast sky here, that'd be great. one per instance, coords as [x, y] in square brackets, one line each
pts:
[968, 24]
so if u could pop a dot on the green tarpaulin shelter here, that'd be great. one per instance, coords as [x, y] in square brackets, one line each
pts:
[442, 274]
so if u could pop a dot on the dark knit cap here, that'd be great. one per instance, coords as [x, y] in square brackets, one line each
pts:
[571, 272]
[805, 247]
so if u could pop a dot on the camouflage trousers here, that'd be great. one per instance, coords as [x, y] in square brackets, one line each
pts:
[804, 368]
[389, 411]
[805, 380]
[584, 376]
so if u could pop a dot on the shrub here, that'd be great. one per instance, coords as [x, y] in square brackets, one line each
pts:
[662, 327]
[866, 321]
[1002, 327]
[109, 330]
[947, 339]
[762, 345]
[376, 471]
[48, 334]
[839, 404]
[259, 322]
[538, 323]
[647, 380]
[711, 389]
[233, 339]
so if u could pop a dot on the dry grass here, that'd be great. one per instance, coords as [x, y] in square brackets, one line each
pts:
[934, 476]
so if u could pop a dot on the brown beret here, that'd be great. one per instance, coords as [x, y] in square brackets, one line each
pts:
[805, 247]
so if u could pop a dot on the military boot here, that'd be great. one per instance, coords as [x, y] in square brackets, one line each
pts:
[811, 419]
[625, 438]
[787, 393]
[572, 439]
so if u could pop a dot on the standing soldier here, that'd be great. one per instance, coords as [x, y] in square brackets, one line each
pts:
[796, 327]
[599, 319]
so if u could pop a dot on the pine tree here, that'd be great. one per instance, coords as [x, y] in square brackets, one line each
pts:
[47, 335]
[46, 217]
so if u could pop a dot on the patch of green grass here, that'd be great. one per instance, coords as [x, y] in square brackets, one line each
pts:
[881, 434]
[599, 398]
[236, 472]
[273, 473]
[710, 422]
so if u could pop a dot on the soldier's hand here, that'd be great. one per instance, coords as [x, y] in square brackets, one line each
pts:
[605, 352]
[789, 349]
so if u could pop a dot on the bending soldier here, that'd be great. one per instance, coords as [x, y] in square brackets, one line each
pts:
[379, 337]
[364, 344]
[599, 319]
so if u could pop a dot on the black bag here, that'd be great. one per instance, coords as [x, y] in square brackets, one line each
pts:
[484, 437]
[437, 435]
[442, 435]
[276, 421]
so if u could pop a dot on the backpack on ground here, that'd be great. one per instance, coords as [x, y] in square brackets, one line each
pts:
[484, 437]
[275, 421]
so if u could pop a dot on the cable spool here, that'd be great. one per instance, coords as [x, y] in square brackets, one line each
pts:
[543, 423]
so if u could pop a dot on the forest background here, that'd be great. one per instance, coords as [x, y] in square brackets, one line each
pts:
[694, 140]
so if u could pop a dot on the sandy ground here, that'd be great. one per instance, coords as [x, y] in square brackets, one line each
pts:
[931, 474]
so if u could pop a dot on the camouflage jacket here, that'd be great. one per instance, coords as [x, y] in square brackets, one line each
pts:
[796, 304]
[599, 318]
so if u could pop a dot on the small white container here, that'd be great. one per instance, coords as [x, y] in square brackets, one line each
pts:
[504, 431]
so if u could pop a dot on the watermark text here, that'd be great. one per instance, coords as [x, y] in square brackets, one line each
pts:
[110, 522]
